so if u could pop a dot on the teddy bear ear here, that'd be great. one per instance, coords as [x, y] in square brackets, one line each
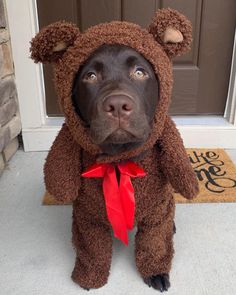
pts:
[172, 30]
[52, 41]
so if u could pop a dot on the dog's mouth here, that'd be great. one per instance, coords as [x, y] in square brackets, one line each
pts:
[120, 140]
[109, 132]
[121, 136]
[117, 139]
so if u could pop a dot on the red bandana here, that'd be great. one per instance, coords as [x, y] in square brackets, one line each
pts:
[119, 199]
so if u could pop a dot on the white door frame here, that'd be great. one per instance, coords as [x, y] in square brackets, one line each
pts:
[39, 130]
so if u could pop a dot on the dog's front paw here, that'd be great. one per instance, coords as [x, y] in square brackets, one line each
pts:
[159, 282]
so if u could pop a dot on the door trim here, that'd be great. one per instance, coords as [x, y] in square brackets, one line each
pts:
[230, 109]
[39, 131]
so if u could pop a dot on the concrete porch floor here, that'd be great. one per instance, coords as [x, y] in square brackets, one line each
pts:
[36, 255]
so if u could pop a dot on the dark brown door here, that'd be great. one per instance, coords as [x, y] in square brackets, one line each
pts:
[201, 76]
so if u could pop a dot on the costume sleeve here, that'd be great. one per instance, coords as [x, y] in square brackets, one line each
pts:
[175, 163]
[62, 168]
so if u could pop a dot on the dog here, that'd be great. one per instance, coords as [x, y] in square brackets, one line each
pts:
[118, 156]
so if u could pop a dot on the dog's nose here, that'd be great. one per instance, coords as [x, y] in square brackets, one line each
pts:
[118, 105]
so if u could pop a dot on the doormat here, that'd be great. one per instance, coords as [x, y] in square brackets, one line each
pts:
[215, 172]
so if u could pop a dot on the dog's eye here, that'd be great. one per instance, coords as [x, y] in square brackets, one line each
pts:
[139, 73]
[90, 77]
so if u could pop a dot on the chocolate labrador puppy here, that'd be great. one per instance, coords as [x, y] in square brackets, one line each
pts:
[116, 93]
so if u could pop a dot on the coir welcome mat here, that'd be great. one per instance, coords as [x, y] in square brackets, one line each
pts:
[215, 172]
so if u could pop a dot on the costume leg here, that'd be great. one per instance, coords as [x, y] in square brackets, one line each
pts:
[93, 245]
[154, 245]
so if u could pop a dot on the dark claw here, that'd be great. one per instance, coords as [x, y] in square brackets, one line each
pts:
[174, 227]
[148, 281]
[165, 281]
[159, 282]
[86, 288]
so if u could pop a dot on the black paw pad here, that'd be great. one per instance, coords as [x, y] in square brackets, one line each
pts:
[159, 282]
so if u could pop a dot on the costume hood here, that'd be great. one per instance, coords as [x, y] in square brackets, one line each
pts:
[62, 44]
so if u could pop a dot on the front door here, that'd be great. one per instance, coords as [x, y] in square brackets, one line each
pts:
[201, 77]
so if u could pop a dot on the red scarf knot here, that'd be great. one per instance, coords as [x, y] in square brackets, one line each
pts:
[119, 198]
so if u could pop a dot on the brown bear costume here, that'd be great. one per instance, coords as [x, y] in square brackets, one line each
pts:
[162, 156]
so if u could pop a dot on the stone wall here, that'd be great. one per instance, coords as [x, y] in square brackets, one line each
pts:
[10, 124]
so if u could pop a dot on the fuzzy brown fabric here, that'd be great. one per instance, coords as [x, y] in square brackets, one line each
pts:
[171, 18]
[162, 156]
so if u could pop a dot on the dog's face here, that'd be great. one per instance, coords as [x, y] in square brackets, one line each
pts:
[116, 93]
